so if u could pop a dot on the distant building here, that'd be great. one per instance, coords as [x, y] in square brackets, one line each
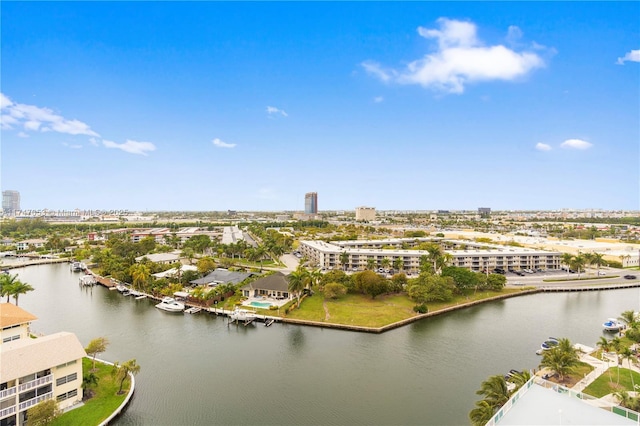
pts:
[311, 203]
[367, 214]
[10, 202]
[484, 211]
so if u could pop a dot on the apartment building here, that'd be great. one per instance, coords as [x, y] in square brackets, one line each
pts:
[35, 369]
[473, 256]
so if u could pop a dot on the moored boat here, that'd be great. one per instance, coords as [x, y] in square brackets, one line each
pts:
[87, 280]
[169, 304]
[612, 324]
[550, 343]
[242, 315]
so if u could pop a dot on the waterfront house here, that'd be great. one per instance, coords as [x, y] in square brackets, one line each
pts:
[35, 242]
[35, 369]
[222, 276]
[275, 286]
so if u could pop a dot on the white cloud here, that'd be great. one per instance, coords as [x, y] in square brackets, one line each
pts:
[273, 110]
[23, 135]
[543, 147]
[34, 118]
[378, 99]
[94, 141]
[5, 102]
[576, 144]
[632, 55]
[460, 59]
[220, 144]
[132, 147]
[7, 122]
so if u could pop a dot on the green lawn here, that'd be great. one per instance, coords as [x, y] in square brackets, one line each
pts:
[361, 310]
[102, 404]
[608, 382]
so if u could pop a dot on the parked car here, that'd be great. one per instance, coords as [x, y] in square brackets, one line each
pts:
[602, 273]
[630, 277]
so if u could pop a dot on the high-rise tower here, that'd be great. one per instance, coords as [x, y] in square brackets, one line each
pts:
[311, 203]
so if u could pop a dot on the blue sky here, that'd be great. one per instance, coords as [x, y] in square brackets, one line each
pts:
[248, 106]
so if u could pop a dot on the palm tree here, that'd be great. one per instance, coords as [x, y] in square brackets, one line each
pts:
[121, 371]
[598, 260]
[588, 260]
[520, 378]
[578, 263]
[371, 264]
[435, 255]
[629, 356]
[315, 277]
[297, 282]
[6, 283]
[385, 263]
[629, 318]
[561, 359]
[18, 288]
[616, 345]
[344, 259]
[140, 274]
[398, 264]
[494, 390]
[566, 259]
[481, 415]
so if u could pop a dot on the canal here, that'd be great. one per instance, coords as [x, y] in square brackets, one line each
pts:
[199, 370]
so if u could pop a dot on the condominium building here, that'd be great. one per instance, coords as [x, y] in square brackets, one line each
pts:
[10, 202]
[311, 203]
[35, 369]
[356, 255]
[366, 214]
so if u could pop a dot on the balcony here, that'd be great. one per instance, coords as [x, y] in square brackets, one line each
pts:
[7, 412]
[7, 392]
[33, 401]
[35, 383]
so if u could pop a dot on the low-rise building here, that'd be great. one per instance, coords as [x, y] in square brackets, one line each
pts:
[35, 369]
[355, 255]
[366, 214]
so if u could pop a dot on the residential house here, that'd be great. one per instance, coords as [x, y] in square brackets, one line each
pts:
[275, 286]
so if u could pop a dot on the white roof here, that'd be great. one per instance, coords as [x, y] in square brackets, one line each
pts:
[25, 356]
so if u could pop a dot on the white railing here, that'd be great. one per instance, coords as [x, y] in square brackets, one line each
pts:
[514, 398]
[7, 392]
[33, 401]
[35, 383]
[7, 411]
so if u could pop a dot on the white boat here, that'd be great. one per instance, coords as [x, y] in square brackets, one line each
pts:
[612, 324]
[551, 342]
[87, 280]
[170, 304]
[122, 288]
[242, 315]
[77, 267]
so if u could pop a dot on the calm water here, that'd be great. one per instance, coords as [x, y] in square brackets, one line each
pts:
[198, 370]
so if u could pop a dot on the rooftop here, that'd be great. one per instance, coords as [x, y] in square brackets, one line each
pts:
[11, 315]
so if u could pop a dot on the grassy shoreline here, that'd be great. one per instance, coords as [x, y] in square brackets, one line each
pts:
[104, 401]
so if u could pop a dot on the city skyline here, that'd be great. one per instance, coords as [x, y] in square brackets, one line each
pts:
[413, 106]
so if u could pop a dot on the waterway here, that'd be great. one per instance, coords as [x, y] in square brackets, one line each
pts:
[199, 370]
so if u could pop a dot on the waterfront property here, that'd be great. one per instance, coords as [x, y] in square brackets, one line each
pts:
[35, 369]
[272, 288]
[464, 254]
[222, 276]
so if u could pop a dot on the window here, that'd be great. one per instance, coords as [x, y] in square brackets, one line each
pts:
[66, 379]
[67, 395]
[10, 338]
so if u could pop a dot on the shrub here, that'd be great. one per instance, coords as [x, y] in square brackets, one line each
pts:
[273, 307]
[421, 308]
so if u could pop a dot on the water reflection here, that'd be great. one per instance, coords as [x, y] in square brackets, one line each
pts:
[200, 370]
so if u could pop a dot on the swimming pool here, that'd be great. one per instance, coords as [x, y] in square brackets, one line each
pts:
[263, 305]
